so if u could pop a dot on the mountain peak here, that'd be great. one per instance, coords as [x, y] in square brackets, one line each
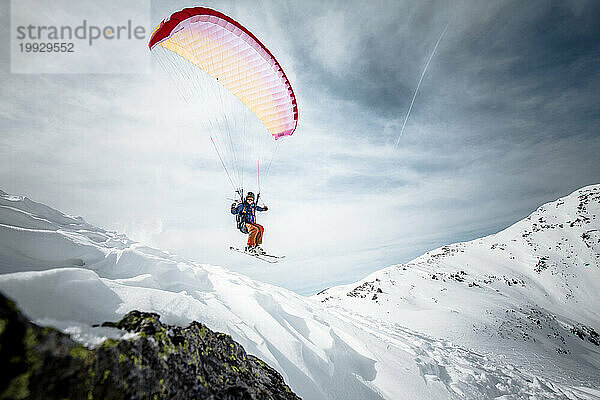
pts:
[532, 287]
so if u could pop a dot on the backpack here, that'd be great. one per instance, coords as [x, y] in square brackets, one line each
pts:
[240, 220]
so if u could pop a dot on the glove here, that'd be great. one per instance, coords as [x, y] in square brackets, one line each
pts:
[265, 208]
[233, 205]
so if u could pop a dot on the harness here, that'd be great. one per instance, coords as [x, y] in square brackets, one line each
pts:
[240, 218]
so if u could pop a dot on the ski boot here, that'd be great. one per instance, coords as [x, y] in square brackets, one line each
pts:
[259, 250]
[250, 250]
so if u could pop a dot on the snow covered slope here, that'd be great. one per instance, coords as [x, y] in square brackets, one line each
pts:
[66, 273]
[529, 294]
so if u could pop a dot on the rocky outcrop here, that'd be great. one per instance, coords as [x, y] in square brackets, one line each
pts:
[160, 361]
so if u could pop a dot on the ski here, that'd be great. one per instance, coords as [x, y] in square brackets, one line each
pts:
[270, 258]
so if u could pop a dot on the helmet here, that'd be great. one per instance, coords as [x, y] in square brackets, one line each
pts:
[250, 195]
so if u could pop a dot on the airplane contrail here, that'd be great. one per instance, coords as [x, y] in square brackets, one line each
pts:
[419, 84]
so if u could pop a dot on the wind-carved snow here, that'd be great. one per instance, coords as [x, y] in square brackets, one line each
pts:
[409, 331]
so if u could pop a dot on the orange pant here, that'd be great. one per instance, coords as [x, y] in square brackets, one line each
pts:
[255, 232]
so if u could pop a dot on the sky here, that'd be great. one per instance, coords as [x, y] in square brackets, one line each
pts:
[506, 119]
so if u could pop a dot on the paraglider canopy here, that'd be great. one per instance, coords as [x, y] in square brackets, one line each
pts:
[233, 56]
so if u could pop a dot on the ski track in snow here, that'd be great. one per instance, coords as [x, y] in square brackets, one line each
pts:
[66, 273]
[463, 372]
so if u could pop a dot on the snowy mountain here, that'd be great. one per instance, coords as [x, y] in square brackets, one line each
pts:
[464, 321]
[528, 294]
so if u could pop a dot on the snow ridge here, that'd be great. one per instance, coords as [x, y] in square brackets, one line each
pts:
[528, 293]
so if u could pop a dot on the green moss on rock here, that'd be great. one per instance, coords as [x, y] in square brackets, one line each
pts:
[162, 361]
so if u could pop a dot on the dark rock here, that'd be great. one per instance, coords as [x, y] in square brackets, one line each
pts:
[163, 361]
[363, 290]
[584, 332]
[541, 264]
